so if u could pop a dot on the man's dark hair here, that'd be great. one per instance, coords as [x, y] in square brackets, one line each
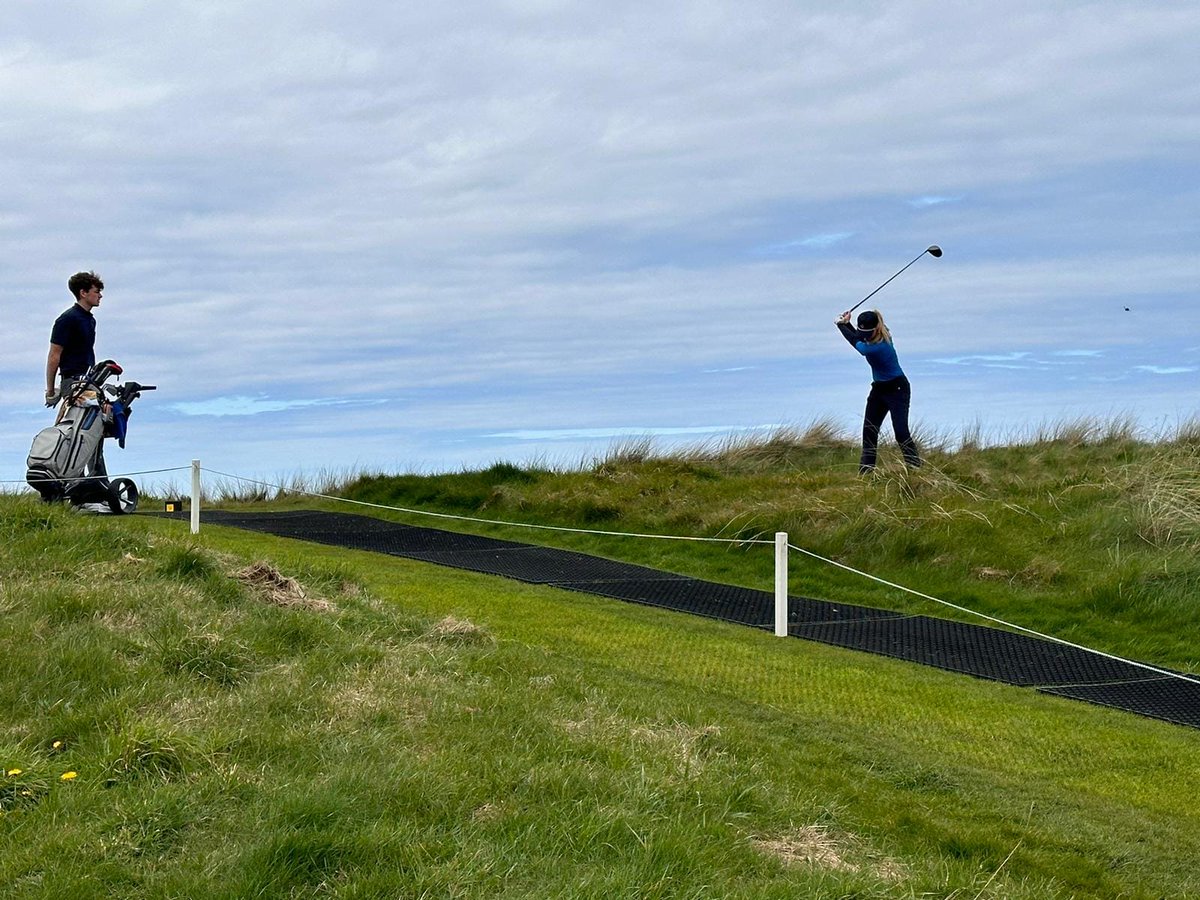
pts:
[84, 281]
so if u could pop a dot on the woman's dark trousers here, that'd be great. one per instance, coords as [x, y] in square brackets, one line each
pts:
[886, 397]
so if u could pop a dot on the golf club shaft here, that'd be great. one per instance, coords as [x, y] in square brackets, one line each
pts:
[885, 284]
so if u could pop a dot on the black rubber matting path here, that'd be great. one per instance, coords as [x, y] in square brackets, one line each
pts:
[976, 650]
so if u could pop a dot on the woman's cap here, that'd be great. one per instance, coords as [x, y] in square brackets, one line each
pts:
[867, 321]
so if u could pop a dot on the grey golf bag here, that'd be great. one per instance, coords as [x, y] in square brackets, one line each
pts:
[66, 461]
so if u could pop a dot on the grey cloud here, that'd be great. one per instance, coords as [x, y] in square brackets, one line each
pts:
[363, 199]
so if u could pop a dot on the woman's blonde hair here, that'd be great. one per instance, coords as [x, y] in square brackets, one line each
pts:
[880, 333]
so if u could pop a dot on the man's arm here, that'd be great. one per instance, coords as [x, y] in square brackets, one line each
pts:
[52, 361]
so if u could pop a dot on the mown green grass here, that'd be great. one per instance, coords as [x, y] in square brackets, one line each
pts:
[409, 731]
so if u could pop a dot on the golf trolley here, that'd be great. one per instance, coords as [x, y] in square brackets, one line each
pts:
[66, 461]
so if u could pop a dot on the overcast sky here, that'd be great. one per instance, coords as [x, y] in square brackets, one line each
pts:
[433, 236]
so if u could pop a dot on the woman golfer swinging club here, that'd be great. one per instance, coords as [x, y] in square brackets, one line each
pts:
[890, 390]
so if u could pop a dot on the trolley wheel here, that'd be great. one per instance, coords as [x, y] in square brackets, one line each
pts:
[122, 496]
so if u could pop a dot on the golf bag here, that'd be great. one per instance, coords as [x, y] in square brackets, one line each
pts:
[66, 461]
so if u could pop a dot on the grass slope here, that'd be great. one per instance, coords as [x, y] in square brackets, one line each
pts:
[381, 728]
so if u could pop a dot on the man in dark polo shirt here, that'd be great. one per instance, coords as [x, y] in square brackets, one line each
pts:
[73, 338]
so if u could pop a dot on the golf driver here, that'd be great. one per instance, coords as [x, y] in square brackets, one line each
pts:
[933, 250]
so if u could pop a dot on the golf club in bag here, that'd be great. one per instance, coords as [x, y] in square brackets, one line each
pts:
[66, 461]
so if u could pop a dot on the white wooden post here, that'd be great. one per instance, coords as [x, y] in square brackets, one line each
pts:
[781, 583]
[195, 496]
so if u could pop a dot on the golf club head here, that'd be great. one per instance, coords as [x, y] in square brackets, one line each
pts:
[934, 250]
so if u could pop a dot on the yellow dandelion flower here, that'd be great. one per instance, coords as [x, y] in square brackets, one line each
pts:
[57, 745]
[12, 773]
[68, 776]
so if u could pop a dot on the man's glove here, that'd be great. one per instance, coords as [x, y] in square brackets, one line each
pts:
[51, 398]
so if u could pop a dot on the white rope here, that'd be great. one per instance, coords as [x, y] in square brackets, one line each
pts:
[98, 477]
[436, 515]
[1021, 628]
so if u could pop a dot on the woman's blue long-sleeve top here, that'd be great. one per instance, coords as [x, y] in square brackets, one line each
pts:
[885, 365]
